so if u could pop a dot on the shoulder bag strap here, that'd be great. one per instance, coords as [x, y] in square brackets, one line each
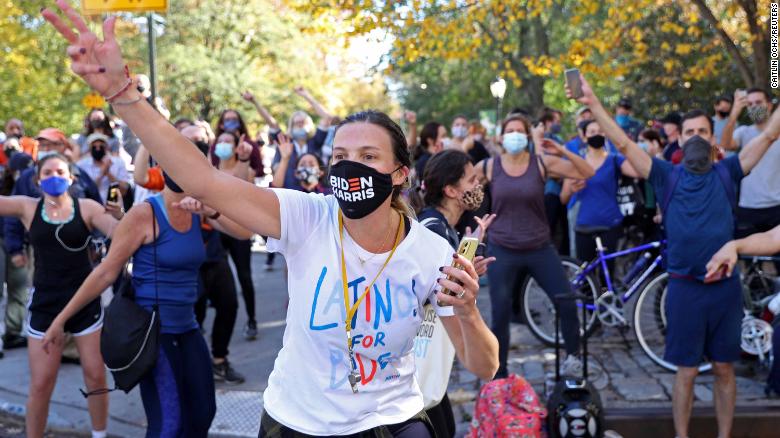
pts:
[671, 183]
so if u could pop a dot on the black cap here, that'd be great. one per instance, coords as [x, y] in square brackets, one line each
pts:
[624, 102]
[672, 117]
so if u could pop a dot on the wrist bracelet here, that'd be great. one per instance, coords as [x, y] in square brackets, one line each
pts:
[128, 102]
[215, 216]
[124, 88]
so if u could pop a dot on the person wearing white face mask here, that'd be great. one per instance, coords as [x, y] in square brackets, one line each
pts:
[517, 178]
[465, 142]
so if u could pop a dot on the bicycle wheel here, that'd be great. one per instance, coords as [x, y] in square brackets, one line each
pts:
[538, 309]
[650, 321]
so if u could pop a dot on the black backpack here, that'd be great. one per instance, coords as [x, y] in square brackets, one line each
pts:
[574, 407]
[129, 341]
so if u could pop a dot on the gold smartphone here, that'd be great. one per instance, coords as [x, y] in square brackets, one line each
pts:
[467, 249]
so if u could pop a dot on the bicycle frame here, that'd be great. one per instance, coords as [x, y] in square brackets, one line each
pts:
[601, 261]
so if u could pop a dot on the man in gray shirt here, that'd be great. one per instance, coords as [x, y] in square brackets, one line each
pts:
[759, 199]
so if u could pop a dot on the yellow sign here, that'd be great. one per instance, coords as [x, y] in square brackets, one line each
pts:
[93, 100]
[104, 6]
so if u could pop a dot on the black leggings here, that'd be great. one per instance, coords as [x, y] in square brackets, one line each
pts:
[507, 274]
[241, 253]
[218, 288]
[586, 245]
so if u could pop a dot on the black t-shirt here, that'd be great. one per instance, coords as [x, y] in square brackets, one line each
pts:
[435, 221]
[478, 153]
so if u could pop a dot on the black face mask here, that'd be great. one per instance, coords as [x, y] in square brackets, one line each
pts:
[171, 185]
[96, 124]
[597, 141]
[724, 114]
[98, 154]
[359, 189]
[697, 155]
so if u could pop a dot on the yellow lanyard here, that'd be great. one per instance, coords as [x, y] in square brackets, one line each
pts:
[352, 310]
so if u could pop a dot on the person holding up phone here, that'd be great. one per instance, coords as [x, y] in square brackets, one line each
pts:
[698, 199]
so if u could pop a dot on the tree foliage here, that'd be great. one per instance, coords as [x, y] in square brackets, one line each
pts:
[208, 52]
[665, 53]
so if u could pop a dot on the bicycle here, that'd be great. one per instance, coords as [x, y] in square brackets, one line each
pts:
[649, 318]
[537, 308]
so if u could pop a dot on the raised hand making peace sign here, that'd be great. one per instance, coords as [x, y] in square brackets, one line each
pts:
[99, 63]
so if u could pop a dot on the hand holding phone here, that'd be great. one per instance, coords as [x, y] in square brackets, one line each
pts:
[573, 83]
[717, 275]
[467, 249]
[113, 192]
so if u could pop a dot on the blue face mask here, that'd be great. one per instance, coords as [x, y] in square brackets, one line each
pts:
[223, 150]
[644, 145]
[555, 128]
[231, 125]
[515, 142]
[55, 185]
[42, 154]
[300, 134]
[622, 120]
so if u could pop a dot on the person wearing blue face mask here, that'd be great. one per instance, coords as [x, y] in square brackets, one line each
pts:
[231, 121]
[50, 141]
[520, 235]
[60, 228]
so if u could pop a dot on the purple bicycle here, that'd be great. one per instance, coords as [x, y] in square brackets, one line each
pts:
[606, 304]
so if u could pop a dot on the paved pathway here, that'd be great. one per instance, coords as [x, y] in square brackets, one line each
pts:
[630, 379]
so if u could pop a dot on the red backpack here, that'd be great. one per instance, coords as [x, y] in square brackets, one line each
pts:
[508, 408]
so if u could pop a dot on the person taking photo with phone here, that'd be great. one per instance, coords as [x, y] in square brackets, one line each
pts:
[696, 195]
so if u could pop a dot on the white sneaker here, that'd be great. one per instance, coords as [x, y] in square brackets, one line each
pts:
[572, 366]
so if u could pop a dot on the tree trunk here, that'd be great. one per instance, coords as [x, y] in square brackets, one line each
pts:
[744, 69]
[760, 44]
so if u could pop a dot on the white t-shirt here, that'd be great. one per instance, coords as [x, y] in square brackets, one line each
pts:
[308, 390]
[761, 187]
[94, 171]
[435, 354]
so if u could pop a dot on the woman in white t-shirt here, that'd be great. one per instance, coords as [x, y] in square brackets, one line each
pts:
[339, 372]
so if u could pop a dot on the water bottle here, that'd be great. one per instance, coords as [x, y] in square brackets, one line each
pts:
[637, 267]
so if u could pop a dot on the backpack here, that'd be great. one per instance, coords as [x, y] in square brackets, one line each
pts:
[507, 408]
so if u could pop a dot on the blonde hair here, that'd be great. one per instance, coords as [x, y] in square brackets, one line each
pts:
[308, 123]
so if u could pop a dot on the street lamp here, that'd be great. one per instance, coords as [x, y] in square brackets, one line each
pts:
[497, 89]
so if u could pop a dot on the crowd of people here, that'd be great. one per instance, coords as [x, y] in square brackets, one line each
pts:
[367, 217]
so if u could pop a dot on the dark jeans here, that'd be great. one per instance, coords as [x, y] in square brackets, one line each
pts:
[557, 220]
[508, 273]
[586, 245]
[241, 253]
[442, 418]
[757, 220]
[178, 395]
[219, 289]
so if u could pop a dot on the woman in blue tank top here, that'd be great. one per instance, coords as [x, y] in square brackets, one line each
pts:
[178, 395]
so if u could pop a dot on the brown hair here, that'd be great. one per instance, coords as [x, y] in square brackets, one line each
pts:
[515, 117]
[400, 150]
